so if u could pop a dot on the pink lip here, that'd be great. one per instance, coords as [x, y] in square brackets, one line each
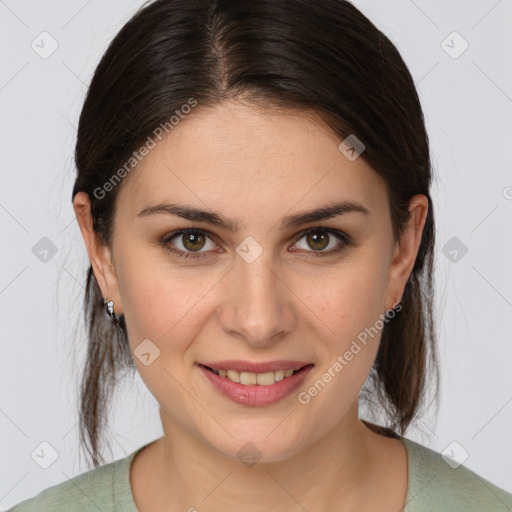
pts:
[254, 394]
[248, 366]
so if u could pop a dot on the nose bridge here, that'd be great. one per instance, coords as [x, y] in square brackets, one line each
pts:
[259, 307]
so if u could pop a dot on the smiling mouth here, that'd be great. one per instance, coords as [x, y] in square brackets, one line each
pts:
[261, 379]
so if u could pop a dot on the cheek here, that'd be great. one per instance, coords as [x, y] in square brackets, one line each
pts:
[348, 310]
[167, 304]
[161, 309]
[162, 301]
[164, 307]
[350, 298]
[352, 308]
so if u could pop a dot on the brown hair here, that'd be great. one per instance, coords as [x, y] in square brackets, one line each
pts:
[323, 56]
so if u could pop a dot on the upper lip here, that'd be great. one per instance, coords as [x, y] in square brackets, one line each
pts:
[248, 366]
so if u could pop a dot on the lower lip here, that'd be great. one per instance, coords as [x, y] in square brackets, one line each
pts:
[253, 394]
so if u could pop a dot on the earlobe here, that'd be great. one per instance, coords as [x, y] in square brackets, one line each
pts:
[407, 248]
[99, 254]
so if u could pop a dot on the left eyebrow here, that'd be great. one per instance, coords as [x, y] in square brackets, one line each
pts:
[328, 212]
[194, 214]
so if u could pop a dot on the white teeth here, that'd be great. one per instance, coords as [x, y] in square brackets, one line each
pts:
[250, 378]
[265, 379]
[233, 375]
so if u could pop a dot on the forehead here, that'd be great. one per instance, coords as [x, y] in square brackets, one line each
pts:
[234, 154]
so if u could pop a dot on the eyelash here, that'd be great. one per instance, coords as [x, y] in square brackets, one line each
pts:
[345, 241]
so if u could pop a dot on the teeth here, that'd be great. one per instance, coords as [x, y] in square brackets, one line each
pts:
[279, 375]
[249, 378]
[233, 375]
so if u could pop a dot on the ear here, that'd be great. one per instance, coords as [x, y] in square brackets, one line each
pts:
[99, 254]
[406, 249]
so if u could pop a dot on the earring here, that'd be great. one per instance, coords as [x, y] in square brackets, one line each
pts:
[110, 308]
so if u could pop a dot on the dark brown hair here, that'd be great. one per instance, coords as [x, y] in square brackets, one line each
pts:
[322, 56]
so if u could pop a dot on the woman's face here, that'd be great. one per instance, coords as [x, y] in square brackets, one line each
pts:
[263, 291]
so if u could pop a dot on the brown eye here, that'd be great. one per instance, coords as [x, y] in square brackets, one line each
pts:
[323, 241]
[186, 242]
[193, 241]
[318, 240]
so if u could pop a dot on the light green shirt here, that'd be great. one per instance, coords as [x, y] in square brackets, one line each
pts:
[434, 486]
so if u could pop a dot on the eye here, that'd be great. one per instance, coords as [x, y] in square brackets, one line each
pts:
[320, 239]
[191, 242]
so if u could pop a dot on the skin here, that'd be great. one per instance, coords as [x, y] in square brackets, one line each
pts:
[255, 167]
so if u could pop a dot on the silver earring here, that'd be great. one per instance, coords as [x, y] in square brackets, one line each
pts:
[110, 307]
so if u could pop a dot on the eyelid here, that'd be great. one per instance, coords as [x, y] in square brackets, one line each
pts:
[346, 240]
[166, 239]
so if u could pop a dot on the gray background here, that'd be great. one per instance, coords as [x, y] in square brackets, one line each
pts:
[467, 102]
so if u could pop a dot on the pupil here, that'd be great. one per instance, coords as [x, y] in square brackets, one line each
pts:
[318, 238]
[194, 239]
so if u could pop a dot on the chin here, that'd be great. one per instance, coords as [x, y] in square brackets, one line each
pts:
[258, 447]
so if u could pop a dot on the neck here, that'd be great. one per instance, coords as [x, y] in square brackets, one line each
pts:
[186, 473]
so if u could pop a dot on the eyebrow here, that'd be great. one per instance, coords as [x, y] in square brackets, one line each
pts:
[194, 214]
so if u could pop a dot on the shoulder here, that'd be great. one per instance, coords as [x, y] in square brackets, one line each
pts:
[104, 488]
[434, 484]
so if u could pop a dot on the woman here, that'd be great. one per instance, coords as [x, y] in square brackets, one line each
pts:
[253, 192]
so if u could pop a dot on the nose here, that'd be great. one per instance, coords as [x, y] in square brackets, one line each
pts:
[259, 308]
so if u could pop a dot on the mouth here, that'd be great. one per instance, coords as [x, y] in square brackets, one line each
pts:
[256, 389]
[253, 378]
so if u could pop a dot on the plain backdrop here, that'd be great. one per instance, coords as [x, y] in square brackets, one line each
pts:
[459, 55]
